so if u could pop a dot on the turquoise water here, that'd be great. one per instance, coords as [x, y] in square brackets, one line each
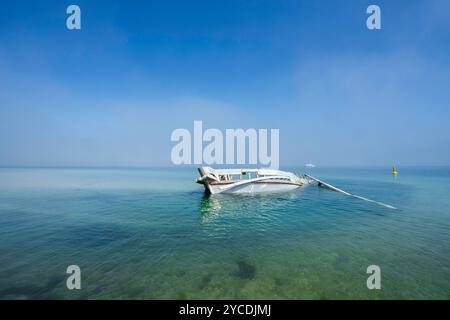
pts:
[153, 234]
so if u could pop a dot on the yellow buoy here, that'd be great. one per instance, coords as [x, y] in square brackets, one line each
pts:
[394, 171]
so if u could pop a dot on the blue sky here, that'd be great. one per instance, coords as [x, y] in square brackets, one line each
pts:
[111, 93]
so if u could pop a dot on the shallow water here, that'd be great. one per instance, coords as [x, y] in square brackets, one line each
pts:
[154, 234]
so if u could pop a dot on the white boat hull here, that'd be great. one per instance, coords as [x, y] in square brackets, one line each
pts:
[255, 188]
[233, 181]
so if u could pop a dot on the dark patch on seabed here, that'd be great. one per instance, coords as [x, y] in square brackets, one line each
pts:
[94, 234]
[245, 271]
[280, 282]
[34, 291]
[206, 279]
[341, 260]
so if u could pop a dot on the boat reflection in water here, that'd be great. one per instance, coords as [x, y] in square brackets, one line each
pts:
[228, 206]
